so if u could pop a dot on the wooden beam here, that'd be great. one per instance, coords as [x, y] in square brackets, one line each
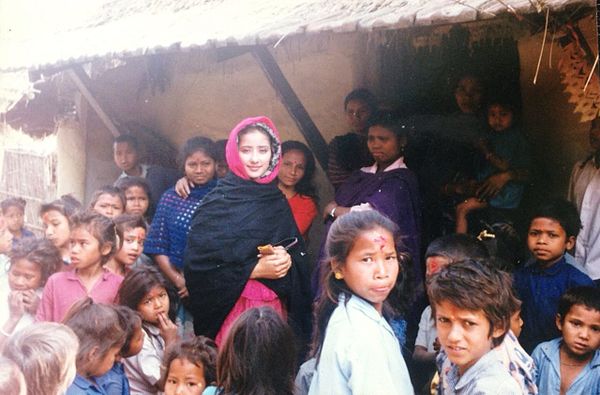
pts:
[292, 103]
[83, 83]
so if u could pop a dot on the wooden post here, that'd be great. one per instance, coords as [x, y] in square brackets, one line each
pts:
[292, 103]
[83, 83]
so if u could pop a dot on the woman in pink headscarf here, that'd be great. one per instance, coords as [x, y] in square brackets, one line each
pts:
[224, 271]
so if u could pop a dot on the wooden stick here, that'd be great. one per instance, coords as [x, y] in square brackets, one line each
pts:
[591, 73]
[537, 70]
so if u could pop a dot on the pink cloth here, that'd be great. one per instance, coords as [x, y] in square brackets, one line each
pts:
[63, 289]
[233, 158]
[255, 294]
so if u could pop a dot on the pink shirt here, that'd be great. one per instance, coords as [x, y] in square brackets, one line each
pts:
[65, 288]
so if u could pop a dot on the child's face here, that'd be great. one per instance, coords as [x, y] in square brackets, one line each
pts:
[103, 364]
[126, 157]
[108, 205]
[56, 228]
[86, 251]
[516, 323]
[222, 168]
[468, 94]
[184, 378]
[547, 240]
[5, 240]
[580, 330]
[136, 201]
[133, 246]
[136, 343]
[254, 150]
[24, 275]
[499, 118]
[464, 334]
[435, 263]
[371, 268]
[199, 168]
[155, 303]
[357, 115]
[15, 218]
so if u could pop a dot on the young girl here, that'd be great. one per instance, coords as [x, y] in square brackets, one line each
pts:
[356, 349]
[295, 180]
[258, 356]
[108, 201]
[131, 232]
[500, 180]
[144, 289]
[56, 217]
[137, 195]
[13, 211]
[190, 366]
[100, 340]
[93, 241]
[223, 273]
[46, 354]
[32, 262]
[115, 381]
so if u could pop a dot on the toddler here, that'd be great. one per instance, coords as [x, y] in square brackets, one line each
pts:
[93, 241]
[571, 364]
[190, 366]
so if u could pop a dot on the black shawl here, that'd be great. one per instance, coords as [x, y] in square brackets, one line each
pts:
[232, 220]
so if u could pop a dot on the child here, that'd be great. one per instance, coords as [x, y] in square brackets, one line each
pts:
[93, 241]
[571, 364]
[257, 357]
[46, 355]
[100, 340]
[32, 262]
[131, 232]
[190, 366]
[552, 231]
[56, 217]
[505, 169]
[115, 381]
[355, 347]
[144, 289]
[13, 211]
[137, 195]
[472, 309]
[11, 378]
[108, 201]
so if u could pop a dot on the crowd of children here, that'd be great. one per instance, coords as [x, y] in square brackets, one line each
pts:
[100, 304]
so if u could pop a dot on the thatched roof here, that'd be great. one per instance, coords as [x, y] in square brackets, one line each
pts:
[39, 34]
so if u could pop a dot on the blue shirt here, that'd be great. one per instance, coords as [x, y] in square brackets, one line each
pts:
[82, 386]
[114, 381]
[171, 223]
[547, 359]
[540, 289]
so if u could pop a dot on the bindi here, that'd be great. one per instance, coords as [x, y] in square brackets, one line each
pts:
[380, 240]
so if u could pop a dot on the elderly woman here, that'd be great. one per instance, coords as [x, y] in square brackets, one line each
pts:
[225, 273]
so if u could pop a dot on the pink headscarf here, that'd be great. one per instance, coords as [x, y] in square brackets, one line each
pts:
[232, 155]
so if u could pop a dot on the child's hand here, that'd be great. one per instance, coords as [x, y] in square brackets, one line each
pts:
[15, 304]
[492, 185]
[167, 329]
[273, 266]
[31, 301]
[183, 187]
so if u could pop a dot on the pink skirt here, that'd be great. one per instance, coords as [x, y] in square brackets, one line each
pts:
[255, 294]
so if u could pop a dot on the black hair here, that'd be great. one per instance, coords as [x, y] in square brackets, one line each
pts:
[13, 202]
[584, 295]
[67, 205]
[457, 247]
[129, 139]
[124, 183]
[107, 190]
[199, 350]
[562, 211]
[100, 227]
[130, 321]
[306, 185]
[193, 145]
[41, 252]
[364, 95]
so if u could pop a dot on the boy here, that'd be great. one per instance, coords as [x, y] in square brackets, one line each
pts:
[472, 303]
[571, 364]
[13, 211]
[540, 284]
[126, 150]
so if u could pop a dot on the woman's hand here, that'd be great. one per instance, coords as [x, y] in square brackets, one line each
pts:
[183, 187]
[273, 266]
[167, 329]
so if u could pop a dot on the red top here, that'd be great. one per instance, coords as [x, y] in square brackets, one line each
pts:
[304, 210]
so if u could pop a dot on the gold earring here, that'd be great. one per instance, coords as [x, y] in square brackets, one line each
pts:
[338, 275]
